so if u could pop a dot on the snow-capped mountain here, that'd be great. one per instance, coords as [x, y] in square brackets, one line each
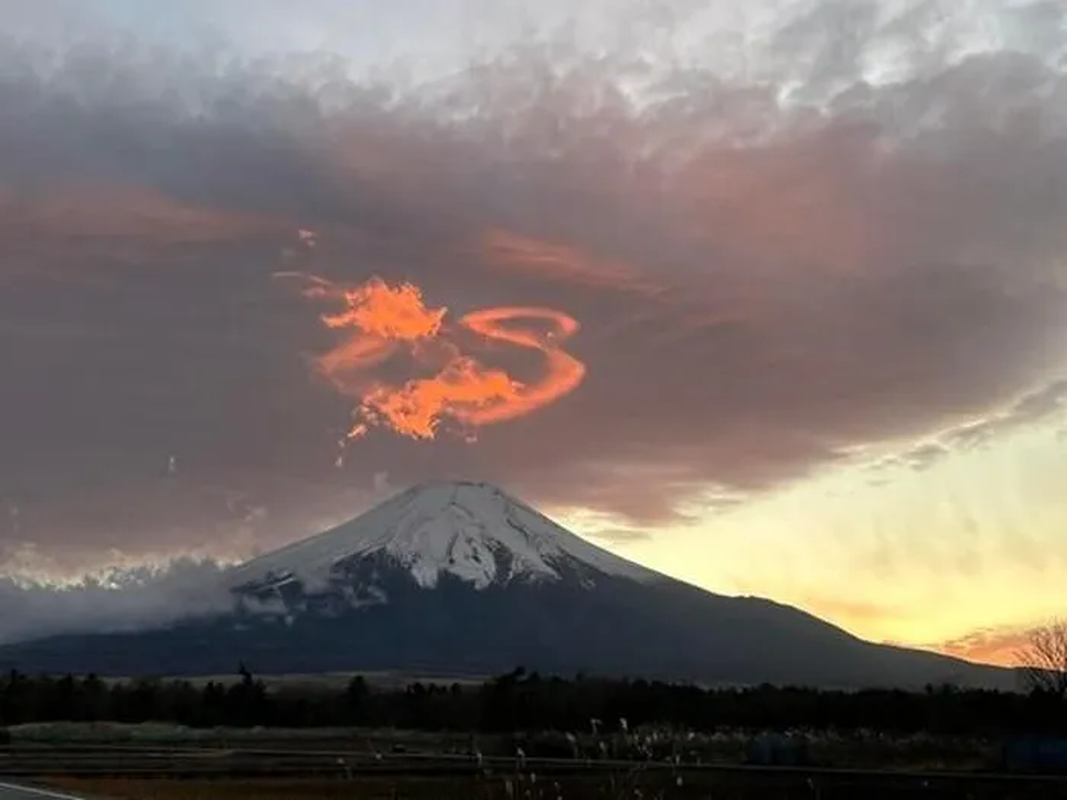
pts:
[472, 531]
[460, 577]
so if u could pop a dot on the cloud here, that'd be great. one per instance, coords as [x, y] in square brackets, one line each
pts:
[1033, 407]
[379, 319]
[763, 270]
[119, 600]
[1004, 646]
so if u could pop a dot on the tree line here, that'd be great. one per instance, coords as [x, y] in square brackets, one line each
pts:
[526, 701]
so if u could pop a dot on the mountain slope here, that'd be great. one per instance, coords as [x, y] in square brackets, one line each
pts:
[472, 531]
[460, 577]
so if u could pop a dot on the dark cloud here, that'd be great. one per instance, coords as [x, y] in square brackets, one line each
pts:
[759, 287]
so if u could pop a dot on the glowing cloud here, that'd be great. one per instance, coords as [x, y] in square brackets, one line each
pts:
[382, 321]
[564, 374]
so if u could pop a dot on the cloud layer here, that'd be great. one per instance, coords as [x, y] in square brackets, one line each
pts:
[859, 240]
[119, 600]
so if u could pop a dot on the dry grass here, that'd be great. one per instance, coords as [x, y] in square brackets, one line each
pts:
[267, 789]
[512, 787]
[496, 787]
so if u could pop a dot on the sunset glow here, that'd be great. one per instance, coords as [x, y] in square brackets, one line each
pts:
[768, 296]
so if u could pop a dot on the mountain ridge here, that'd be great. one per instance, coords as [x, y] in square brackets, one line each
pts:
[460, 577]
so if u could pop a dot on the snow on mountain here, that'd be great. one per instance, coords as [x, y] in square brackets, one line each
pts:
[472, 531]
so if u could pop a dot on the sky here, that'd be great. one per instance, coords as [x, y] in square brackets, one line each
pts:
[770, 298]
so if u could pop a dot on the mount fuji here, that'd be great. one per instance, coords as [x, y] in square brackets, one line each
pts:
[461, 578]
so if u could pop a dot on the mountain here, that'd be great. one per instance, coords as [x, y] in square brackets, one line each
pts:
[461, 578]
[470, 531]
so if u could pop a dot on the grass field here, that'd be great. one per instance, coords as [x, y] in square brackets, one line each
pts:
[600, 787]
[265, 789]
[159, 762]
[356, 745]
[869, 750]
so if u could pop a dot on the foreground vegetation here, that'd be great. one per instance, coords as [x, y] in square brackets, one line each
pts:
[631, 786]
[518, 735]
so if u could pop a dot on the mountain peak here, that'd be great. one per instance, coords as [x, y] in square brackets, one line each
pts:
[469, 529]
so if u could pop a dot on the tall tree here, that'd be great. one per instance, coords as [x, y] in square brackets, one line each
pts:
[1044, 658]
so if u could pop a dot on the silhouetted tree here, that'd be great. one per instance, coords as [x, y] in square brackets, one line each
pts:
[246, 701]
[355, 699]
[520, 701]
[1044, 659]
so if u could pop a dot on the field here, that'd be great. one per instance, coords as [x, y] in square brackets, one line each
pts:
[746, 788]
[687, 785]
[163, 762]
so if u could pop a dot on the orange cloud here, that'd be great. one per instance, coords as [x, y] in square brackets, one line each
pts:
[380, 320]
[564, 372]
[997, 646]
[389, 313]
[462, 389]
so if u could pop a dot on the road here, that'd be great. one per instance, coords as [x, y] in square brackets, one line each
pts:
[11, 791]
